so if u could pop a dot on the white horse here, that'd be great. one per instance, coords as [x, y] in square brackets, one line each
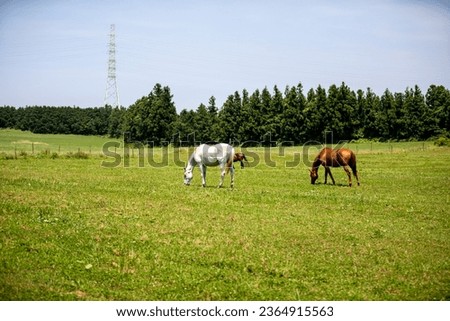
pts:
[211, 155]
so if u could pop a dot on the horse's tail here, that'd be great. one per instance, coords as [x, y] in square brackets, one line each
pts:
[353, 163]
[354, 170]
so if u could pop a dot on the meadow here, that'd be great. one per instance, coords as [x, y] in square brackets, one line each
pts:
[77, 228]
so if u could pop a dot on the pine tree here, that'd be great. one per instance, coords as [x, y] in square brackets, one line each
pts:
[372, 111]
[254, 123]
[213, 119]
[265, 122]
[150, 120]
[202, 124]
[401, 130]
[292, 122]
[315, 114]
[246, 120]
[184, 129]
[339, 112]
[230, 119]
[360, 114]
[276, 114]
[387, 117]
[438, 114]
[414, 111]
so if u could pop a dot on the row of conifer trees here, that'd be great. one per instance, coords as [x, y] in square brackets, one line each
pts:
[276, 116]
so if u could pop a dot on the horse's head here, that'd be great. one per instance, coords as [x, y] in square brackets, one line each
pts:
[187, 176]
[313, 174]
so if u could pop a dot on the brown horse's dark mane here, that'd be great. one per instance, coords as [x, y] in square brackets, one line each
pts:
[317, 162]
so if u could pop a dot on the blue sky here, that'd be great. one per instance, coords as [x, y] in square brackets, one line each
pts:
[56, 52]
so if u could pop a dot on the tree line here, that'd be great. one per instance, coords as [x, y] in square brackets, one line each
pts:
[57, 120]
[264, 116]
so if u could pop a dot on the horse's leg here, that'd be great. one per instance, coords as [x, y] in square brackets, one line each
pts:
[242, 164]
[355, 173]
[326, 174]
[222, 175]
[232, 176]
[349, 175]
[203, 174]
[332, 179]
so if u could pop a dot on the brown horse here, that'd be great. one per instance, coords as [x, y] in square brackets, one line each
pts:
[334, 158]
[239, 157]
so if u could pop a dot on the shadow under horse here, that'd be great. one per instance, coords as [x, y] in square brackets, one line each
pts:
[334, 158]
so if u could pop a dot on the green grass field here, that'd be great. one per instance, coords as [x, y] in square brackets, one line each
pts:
[17, 142]
[72, 229]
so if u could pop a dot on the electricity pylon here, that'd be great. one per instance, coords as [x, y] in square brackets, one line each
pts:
[111, 93]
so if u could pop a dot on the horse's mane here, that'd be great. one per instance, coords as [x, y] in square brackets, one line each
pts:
[317, 162]
[191, 161]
